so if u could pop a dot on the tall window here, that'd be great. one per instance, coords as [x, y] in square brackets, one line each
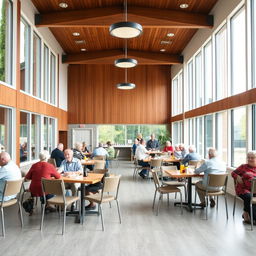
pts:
[190, 89]
[177, 133]
[36, 65]
[198, 80]
[254, 126]
[35, 136]
[6, 39]
[253, 15]
[238, 52]
[174, 96]
[238, 136]
[222, 135]
[221, 63]
[45, 133]
[191, 132]
[46, 74]
[24, 136]
[199, 135]
[208, 92]
[53, 79]
[208, 132]
[5, 130]
[25, 56]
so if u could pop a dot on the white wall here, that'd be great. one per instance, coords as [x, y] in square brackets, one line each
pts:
[28, 11]
[220, 12]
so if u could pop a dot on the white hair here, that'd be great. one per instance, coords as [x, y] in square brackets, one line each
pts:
[192, 148]
[78, 145]
[212, 152]
[44, 155]
[251, 153]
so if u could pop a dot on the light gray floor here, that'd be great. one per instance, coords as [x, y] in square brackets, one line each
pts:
[141, 232]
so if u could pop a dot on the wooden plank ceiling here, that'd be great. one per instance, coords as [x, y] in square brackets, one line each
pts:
[91, 19]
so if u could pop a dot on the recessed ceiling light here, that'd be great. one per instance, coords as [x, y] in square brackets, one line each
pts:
[183, 6]
[162, 50]
[83, 50]
[166, 42]
[80, 41]
[76, 34]
[170, 34]
[63, 5]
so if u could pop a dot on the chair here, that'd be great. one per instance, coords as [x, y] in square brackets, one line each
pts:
[162, 189]
[235, 197]
[11, 187]
[109, 193]
[99, 158]
[216, 180]
[253, 200]
[175, 183]
[57, 188]
[52, 161]
[99, 164]
[195, 163]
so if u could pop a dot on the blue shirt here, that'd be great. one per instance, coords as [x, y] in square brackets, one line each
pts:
[211, 166]
[100, 152]
[190, 156]
[73, 166]
[9, 171]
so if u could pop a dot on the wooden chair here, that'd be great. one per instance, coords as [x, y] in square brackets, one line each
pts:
[52, 161]
[56, 188]
[216, 180]
[99, 158]
[162, 189]
[11, 187]
[253, 200]
[108, 194]
[99, 164]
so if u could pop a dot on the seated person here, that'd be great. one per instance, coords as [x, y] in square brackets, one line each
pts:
[243, 176]
[192, 155]
[177, 152]
[211, 166]
[8, 171]
[168, 147]
[58, 154]
[134, 146]
[84, 148]
[152, 144]
[40, 170]
[139, 137]
[77, 151]
[140, 154]
[183, 151]
[100, 151]
[69, 165]
[111, 151]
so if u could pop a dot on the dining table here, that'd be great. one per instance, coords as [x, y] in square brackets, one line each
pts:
[188, 174]
[91, 178]
[165, 159]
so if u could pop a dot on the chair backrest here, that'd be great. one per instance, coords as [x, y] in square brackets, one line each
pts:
[52, 161]
[253, 187]
[111, 185]
[99, 164]
[217, 180]
[156, 163]
[12, 187]
[54, 187]
[195, 163]
[100, 171]
[156, 179]
[99, 157]
[117, 152]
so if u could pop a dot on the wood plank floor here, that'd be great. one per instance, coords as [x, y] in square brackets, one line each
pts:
[141, 232]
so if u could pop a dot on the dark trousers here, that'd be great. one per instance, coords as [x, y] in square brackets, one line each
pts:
[247, 198]
[143, 164]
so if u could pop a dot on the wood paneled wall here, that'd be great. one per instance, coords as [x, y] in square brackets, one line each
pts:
[94, 99]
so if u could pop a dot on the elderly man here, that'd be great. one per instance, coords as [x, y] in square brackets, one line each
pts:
[211, 166]
[140, 154]
[58, 154]
[192, 155]
[183, 151]
[69, 165]
[8, 171]
[152, 143]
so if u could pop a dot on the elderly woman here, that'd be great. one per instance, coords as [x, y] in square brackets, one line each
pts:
[38, 171]
[77, 151]
[243, 176]
[168, 147]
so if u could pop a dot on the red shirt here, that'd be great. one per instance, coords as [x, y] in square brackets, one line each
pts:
[166, 149]
[247, 173]
[36, 173]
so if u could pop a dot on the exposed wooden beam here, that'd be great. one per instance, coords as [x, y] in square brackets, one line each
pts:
[104, 17]
[109, 56]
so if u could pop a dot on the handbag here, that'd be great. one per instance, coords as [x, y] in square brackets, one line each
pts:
[28, 205]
